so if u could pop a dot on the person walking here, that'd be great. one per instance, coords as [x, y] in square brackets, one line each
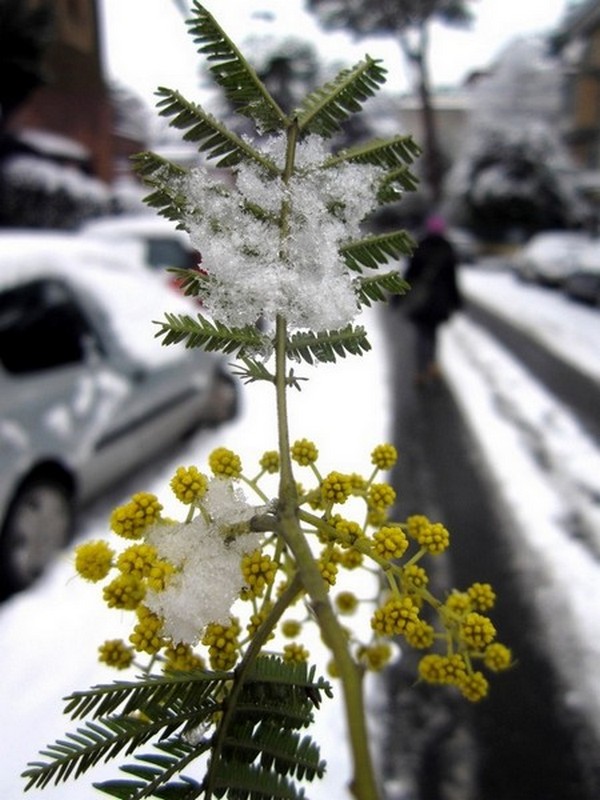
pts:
[434, 295]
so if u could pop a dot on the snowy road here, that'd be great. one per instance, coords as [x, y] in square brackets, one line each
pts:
[526, 740]
[546, 470]
[545, 467]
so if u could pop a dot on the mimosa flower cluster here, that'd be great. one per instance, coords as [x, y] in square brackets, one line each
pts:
[201, 588]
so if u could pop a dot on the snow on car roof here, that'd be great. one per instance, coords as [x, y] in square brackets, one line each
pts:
[130, 295]
[135, 225]
[558, 239]
[22, 250]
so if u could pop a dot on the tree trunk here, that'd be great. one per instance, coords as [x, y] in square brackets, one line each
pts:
[432, 159]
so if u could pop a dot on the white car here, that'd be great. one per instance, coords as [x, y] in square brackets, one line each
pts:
[87, 391]
[548, 258]
[163, 245]
[584, 282]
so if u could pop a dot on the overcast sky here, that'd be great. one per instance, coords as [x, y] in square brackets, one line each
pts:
[146, 43]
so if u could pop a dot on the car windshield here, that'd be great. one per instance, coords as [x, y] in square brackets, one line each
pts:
[40, 328]
[169, 253]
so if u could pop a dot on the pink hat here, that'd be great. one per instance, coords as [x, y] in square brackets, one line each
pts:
[435, 224]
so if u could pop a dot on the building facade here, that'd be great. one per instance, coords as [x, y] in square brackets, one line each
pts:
[578, 42]
[72, 107]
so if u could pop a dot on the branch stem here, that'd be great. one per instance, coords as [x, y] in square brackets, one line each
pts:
[363, 785]
[241, 673]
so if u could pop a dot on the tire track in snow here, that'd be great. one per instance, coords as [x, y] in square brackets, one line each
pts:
[500, 401]
[568, 457]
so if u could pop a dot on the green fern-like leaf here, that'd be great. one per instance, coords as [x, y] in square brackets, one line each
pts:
[183, 789]
[191, 281]
[170, 703]
[212, 137]
[387, 153]
[394, 183]
[148, 165]
[323, 111]
[233, 73]
[272, 669]
[165, 177]
[394, 155]
[275, 696]
[169, 196]
[256, 747]
[154, 772]
[190, 688]
[373, 251]
[88, 746]
[211, 336]
[287, 691]
[251, 371]
[279, 748]
[260, 752]
[250, 782]
[377, 288]
[327, 346]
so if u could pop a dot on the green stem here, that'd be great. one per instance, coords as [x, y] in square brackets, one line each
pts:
[255, 488]
[363, 785]
[241, 673]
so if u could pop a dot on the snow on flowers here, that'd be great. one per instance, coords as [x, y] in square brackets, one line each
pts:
[183, 579]
[182, 575]
[206, 554]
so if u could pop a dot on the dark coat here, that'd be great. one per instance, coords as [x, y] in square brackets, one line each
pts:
[431, 273]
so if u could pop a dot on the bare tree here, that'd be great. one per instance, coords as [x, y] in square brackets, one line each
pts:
[409, 21]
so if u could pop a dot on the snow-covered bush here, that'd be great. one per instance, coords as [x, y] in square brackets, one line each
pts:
[37, 192]
[513, 176]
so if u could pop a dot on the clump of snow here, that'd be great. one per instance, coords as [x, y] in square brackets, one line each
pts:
[53, 144]
[37, 173]
[208, 558]
[286, 259]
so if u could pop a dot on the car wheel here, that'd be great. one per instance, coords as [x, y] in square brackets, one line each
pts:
[38, 525]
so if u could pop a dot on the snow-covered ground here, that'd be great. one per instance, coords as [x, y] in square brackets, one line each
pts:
[545, 466]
